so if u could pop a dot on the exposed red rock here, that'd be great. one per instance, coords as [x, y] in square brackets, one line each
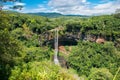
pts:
[62, 49]
[100, 40]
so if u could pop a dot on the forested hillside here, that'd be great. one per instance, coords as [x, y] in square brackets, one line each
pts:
[90, 47]
[55, 15]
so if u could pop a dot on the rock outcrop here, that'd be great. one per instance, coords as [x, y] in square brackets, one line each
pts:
[100, 40]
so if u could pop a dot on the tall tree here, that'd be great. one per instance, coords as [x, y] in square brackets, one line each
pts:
[14, 6]
[9, 47]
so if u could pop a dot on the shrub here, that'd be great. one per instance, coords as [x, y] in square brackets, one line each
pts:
[37, 54]
[92, 55]
[44, 70]
[100, 74]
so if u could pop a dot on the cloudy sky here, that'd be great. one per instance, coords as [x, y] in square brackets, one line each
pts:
[81, 7]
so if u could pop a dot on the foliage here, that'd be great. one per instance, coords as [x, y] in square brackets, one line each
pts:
[40, 71]
[14, 7]
[92, 55]
[10, 47]
[37, 54]
[117, 76]
[107, 25]
[73, 27]
[100, 74]
[90, 60]
[4, 19]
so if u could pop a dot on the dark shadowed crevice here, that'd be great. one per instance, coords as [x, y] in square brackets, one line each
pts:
[64, 41]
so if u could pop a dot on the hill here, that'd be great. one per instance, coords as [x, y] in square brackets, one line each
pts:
[54, 15]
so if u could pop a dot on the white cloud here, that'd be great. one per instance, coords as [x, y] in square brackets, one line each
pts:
[106, 8]
[19, 3]
[40, 8]
[64, 3]
[103, 6]
[83, 1]
[7, 7]
[84, 7]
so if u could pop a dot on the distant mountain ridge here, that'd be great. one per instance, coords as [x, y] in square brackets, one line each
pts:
[55, 15]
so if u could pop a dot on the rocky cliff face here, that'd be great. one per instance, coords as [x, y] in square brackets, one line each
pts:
[72, 38]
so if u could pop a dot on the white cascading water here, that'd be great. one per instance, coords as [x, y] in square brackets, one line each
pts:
[56, 61]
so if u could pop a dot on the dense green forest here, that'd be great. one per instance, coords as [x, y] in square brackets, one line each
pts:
[26, 47]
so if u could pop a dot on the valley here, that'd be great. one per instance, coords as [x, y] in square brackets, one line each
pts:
[86, 48]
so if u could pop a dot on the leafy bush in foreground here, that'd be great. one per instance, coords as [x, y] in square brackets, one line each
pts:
[44, 70]
[100, 74]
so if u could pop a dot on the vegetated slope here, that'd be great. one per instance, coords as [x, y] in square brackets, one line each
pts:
[47, 14]
[90, 58]
[55, 15]
[31, 30]
[15, 56]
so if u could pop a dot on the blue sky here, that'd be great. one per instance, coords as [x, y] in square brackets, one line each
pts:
[83, 7]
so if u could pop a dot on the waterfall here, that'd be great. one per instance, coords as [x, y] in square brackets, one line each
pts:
[56, 61]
